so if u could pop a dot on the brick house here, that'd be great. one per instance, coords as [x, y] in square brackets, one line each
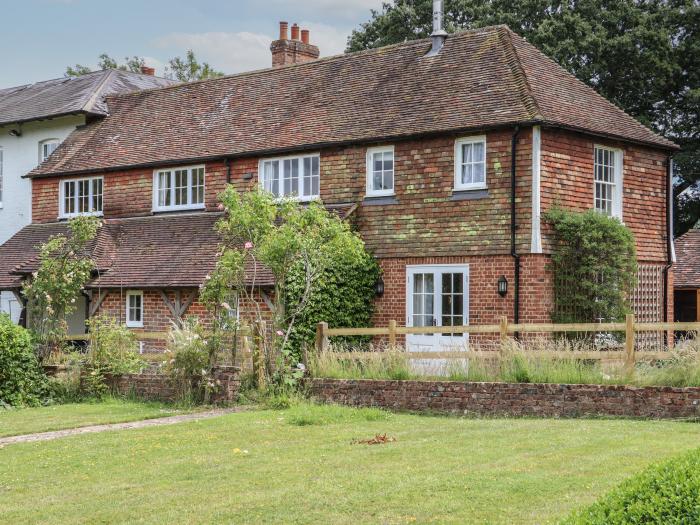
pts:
[444, 154]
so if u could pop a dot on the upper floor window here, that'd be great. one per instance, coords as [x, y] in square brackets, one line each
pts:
[297, 177]
[134, 309]
[81, 197]
[380, 171]
[178, 189]
[607, 166]
[470, 163]
[46, 148]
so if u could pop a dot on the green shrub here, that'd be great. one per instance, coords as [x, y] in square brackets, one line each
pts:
[112, 350]
[22, 381]
[668, 493]
[594, 265]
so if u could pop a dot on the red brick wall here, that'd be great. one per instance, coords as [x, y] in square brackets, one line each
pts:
[520, 399]
[567, 180]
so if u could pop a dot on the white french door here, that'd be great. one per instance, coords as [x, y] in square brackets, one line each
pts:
[437, 295]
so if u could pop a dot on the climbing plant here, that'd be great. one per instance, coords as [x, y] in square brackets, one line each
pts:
[594, 265]
[53, 290]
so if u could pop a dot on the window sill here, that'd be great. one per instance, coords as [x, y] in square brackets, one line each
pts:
[179, 208]
[468, 195]
[134, 325]
[74, 215]
[379, 201]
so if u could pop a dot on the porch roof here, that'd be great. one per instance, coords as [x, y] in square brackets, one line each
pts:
[686, 271]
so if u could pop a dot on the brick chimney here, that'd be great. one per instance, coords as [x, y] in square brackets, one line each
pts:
[295, 50]
[145, 70]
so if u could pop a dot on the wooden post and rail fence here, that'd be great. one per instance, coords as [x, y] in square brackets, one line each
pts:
[629, 355]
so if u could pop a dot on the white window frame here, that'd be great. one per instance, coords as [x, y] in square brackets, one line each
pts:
[371, 152]
[62, 214]
[458, 163]
[178, 207]
[129, 322]
[46, 142]
[618, 183]
[301, 197]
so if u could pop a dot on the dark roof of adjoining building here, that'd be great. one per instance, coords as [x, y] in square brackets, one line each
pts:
[163, 251]
[481, 79]
[71, 95]
[686, 270]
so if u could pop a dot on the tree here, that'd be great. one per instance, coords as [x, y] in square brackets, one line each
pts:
[299, 245]
[189, 69]
[643, 55]
[64, 269]
[186, 69]
[104, 62]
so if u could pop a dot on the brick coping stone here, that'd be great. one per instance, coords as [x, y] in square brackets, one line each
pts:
[513, 399]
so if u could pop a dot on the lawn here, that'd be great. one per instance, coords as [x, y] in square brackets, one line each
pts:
[301, 466]
[58, 417]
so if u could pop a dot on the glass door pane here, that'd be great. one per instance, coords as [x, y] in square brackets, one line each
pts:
[452, 299]
[424, 299]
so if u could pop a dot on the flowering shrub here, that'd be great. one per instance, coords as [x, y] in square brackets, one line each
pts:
[22, 381]
[64, 268]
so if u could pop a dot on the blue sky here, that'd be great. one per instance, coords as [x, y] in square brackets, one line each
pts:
[42, 37]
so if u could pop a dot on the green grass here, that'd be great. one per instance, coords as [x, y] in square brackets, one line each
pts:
[14, 422]
[300, 466]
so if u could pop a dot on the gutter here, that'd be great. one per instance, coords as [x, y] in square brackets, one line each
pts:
[513, 227]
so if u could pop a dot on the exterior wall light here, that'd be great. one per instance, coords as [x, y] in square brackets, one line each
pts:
[502, 286]
[379, 289]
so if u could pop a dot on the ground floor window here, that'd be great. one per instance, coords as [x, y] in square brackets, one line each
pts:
[134, 309]
[437, 296]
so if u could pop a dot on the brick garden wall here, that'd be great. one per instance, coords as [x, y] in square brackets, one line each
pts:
[545, 400]
[158, 387]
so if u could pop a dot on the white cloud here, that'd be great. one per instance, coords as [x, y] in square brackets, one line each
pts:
[243, 51]
[228, 52]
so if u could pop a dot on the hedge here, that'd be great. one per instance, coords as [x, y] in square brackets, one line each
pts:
[667, 493]
[22, 381]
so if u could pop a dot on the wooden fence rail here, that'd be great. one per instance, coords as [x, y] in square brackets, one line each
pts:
[504, 329]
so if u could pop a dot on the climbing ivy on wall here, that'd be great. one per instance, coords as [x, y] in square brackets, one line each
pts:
[594, 265]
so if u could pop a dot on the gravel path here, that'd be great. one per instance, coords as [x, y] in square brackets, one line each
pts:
[170, 420]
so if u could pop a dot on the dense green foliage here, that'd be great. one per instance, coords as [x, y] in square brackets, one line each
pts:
[112, 350]
[666, 494]
[22, 382]
[594, 264]
[644, 55]
[344, 295]
[306, 248]
[64, 269]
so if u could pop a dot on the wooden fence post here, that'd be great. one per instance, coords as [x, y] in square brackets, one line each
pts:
[321, 338]
[503, 330]
[392, 334]
[629, 342]
[260, 364]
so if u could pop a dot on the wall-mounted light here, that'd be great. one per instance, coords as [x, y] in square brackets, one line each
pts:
[502, 286]
[15, 132]
[248, 176]
[379, 288]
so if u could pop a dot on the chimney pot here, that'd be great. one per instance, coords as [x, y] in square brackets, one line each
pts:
[305, 36]
[295, 32]
[145, 70]
[283, 30]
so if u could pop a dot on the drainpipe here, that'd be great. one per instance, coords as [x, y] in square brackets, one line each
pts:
[513, 227]
[227, 163]
[669, 235]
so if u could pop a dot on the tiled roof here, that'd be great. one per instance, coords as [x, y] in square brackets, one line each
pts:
[63, 96]
[161, 251]
[686, 270]
[481, 79]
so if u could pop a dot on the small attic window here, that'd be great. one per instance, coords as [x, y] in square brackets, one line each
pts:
[46, 148]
